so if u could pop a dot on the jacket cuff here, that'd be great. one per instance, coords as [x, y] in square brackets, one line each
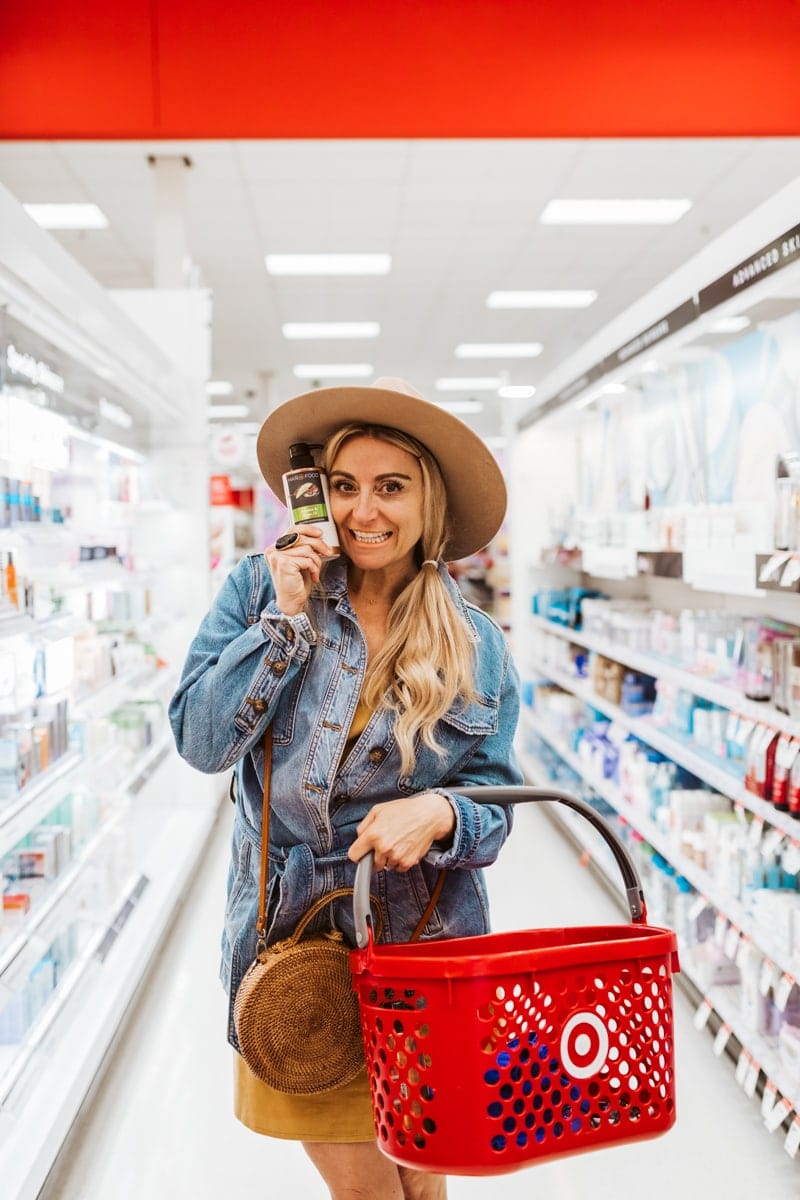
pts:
[465, 837]
[294, 634]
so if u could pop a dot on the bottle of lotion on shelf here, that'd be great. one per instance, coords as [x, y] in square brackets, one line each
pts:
[305, 487]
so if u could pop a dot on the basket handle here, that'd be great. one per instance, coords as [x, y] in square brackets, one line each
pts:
[506, 796]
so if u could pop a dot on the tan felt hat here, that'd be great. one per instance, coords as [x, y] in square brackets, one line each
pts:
[476, 492]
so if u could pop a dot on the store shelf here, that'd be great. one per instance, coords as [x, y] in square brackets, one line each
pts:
[669, 743]
[700, 880]
[36, 799]
[102, 701]
[649, 664]
[721, 999]
[102, 983]
[55, 895]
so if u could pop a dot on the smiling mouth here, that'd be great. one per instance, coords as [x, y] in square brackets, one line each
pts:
[369, 539]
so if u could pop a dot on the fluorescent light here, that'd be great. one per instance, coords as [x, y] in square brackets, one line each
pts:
[498, 350]
[730, 325]
[328, 264]
[333, 370]
[550, 299]
[461, 406]
[67, 216]
[613, 389]
[513, 391]
[587, 400]
[221, 412]
[480, 384]
[614, 212]
[299, 330]
[219, 387]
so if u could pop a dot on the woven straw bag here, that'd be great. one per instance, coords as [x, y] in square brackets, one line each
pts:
[295, 1011]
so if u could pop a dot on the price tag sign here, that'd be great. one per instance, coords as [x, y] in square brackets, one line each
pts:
[778, 1115]
[755, 831]
[770, 842]
[742, 950]
[751, 1078]
[792, 1143]
[732, 938]
[699, 906]
[720, 930]
[742, 1065]
[722, 1039]
[783, 991]
[703, 1013]
[768, 1099]
[790, 859]
[768, 976]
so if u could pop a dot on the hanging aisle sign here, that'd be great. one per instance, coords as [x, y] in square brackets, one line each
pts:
[773, 257]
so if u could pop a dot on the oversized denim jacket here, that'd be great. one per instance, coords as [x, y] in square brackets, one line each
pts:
[250, 665]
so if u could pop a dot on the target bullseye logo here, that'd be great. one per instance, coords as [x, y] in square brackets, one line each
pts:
[584, 1044]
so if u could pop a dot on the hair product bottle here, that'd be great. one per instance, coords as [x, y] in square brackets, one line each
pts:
[306, 489]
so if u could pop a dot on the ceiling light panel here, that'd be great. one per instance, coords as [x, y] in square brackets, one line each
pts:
[333, 370]
[730, 325]
[614, 212]
[461, 407]
[514, 391]
[499, 350]
[309, 330]
[219, 387]
[229, 412]
[67, 216]
[328, 264]
[481, 383]
[542, 299]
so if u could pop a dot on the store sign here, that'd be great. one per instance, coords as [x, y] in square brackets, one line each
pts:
[220, 491]
[32, 370]
[228, 447]
[681, 316]
[770, 258]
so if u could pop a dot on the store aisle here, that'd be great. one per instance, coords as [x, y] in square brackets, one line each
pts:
[159, 1126]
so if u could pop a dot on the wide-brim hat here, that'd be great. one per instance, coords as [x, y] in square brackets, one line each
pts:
[476, 492]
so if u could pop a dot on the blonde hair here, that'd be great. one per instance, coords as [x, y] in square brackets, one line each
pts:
[426, 663]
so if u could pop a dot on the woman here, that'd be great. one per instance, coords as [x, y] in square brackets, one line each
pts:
[385, 692]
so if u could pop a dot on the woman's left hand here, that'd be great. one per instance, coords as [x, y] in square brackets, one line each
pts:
[401, 832]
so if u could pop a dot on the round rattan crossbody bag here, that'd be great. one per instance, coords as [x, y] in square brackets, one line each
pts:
[295, 1012]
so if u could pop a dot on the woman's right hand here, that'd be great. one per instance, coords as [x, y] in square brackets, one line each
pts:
[296, 568]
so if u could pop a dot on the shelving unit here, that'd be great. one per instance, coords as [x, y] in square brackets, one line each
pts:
[140, 486]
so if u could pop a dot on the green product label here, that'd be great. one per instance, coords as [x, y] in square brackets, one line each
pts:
[309, 512]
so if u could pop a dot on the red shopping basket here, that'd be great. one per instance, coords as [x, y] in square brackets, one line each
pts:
[486, 1054]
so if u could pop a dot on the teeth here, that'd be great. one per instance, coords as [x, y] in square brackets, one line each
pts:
[370, 537]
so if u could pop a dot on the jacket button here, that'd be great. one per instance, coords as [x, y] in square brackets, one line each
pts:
[259, 705]
[377, 754]
[340, 798]
[288, 632]
[279, 667]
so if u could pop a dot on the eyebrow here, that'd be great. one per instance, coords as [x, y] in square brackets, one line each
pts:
[387, 475]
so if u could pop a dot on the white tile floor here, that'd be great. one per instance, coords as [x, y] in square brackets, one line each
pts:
[159, 1125]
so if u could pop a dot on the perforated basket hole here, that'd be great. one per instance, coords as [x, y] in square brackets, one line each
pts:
[400, 1070]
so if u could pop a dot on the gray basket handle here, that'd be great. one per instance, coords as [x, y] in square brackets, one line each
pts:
[515, 795]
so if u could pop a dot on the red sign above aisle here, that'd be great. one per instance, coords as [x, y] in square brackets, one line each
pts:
[424, 68]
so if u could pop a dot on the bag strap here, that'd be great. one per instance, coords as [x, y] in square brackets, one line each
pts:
[339, 893]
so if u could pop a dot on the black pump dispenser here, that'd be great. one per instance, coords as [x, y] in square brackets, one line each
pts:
[300, 456]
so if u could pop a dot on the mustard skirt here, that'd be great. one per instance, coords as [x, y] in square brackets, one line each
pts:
[341, 1115]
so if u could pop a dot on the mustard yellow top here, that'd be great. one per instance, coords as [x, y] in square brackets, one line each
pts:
[343, 1115]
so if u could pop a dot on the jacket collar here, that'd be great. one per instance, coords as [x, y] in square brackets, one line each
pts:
[333, 586]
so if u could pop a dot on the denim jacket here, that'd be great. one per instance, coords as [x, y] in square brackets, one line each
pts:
[250, 665]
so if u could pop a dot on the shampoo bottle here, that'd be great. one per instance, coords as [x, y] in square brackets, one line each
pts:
[306, 489]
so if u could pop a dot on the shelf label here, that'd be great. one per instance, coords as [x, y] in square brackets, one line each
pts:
[703, 1013]
[768, 1099]
[783, 991]
[768, 976]
[742, 1064]
[742, 950]
[770, 842]
[792, 1143]
[720, 930]
[778, 1115]
[755, 831]
[751, 1078]
[722, 1039]
[700, 905]
[790, 859]
[732, 942]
